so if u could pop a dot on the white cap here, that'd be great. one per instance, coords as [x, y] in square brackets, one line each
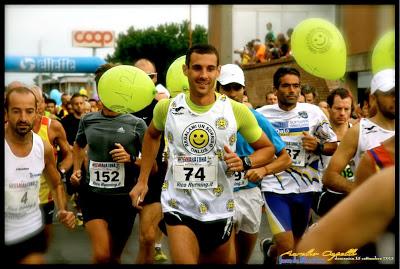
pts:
[231, 73]
[383, 81]
[161, 89]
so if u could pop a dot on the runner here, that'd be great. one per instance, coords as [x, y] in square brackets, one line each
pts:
[360, 218]
[150, 235]
[367, 134]
[288, 195]
[197, 197]
[248, 198]
[340, 103]
[114, 141]
[27, 156]
[53, 132]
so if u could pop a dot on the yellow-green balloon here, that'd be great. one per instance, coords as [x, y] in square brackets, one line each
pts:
[319, 48]
[383, 54]
[126, 89]
[176, 80]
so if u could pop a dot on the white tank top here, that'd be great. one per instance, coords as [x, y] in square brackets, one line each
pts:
[196, 183]
[370, 136]
[22, 216]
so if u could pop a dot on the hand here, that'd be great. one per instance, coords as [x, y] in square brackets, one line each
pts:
[120, 155]
[138, 193]
[256, 174]
[310, 143]
[76, 178]
[67, 218]
[232, 160]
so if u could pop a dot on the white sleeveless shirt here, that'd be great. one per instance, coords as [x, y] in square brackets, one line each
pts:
[196, 183]
[21, 188]
[370, 136]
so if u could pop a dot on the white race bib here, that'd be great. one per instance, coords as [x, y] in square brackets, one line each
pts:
[240, 181]
[195, 172]
[107, 175]
[19, 201]
[297, 153]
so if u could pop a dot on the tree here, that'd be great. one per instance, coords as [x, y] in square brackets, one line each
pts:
[162, 45]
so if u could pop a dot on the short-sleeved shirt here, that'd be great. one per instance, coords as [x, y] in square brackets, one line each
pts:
[243, 148]
[303, 175]
[101, 133]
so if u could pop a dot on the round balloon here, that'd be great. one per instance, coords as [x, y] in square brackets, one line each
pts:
[319, 48]
[176, 80]
[126, 89]
[383, 54]
[56, 96]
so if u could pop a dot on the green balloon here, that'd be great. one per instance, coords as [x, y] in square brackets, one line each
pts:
[383, 54]
[319, 48]
[126, 89]
[176, 80]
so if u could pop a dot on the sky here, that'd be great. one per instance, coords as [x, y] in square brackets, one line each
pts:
[33, 30]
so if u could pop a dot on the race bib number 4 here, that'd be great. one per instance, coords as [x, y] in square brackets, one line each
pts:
[107, 175]
[19, 201]
[195, 172]
[297, 153]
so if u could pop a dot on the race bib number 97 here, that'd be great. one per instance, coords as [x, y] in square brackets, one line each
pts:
[106, 175]
[195, 172]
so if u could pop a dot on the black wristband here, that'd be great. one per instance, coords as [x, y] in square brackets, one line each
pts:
[133, 158]
[320, 149]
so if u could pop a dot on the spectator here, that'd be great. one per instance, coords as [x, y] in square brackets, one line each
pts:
[271, 98]
[282, 45]
[270, 36]
[260, 49]
[310, 94]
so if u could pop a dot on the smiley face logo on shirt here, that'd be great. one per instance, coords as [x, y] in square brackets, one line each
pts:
[199, 138]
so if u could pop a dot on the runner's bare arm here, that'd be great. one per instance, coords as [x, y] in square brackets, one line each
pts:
[358, 219]
[60, 139]
[332, 178]
[151, 145]
[54, 180]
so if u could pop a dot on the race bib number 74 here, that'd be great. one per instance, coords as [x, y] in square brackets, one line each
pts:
[191, 172]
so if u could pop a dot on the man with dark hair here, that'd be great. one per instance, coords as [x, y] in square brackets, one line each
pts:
[248, 197]
[65, 99]
[340, 104]
[309, 93]
[367, 134]
[26, 157]
[197, 195]
[71, 123]
[51, 106]
[288, 195]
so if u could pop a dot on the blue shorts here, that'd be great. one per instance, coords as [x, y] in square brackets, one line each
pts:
[288, 212]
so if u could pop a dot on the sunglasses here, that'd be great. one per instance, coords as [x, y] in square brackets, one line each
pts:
[152, 75]
[230, 86]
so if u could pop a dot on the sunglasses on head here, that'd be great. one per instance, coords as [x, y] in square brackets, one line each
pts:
[152, 75]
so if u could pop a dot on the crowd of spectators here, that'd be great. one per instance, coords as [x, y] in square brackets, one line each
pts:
[273, 47]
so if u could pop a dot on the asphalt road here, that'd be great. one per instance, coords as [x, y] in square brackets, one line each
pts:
[73, 246]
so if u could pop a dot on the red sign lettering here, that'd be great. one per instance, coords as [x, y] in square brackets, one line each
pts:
[93, 38]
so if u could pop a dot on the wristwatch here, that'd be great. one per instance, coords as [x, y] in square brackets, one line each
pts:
[246, 162]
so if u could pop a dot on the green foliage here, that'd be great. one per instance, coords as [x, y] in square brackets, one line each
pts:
[162, 45]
